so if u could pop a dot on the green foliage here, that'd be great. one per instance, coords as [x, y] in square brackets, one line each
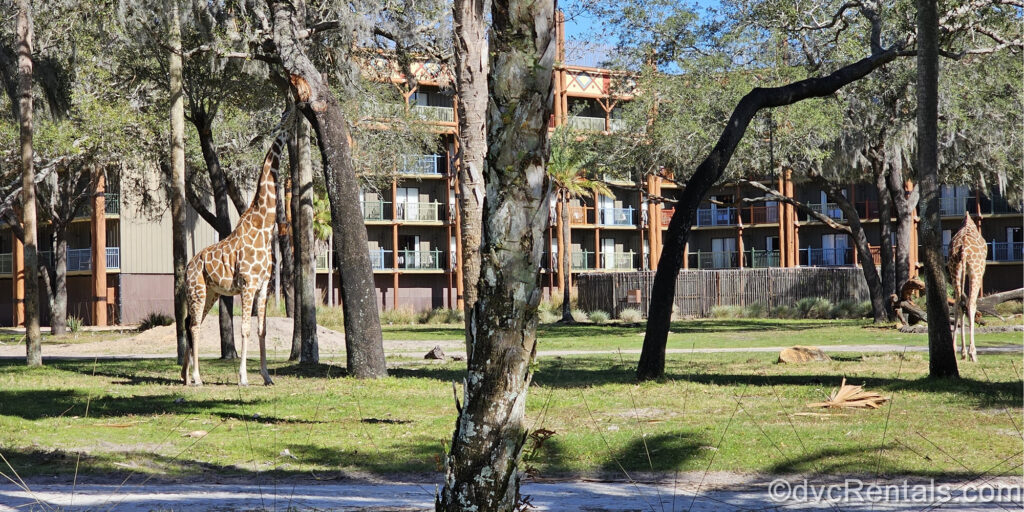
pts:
[546, 316]
[442, 316]
[851, 309]
[813, 307]
[579, 315]
[727, 312]
[74, 323]
[398, 316]
[631, 315]
[154, 320]
[1009, 308]
[599, 317]
[755, 310]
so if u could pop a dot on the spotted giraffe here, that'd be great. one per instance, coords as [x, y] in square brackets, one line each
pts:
[239, 264]
[967, 253]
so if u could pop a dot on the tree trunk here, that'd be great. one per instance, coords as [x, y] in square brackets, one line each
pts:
[204, 126]
[942, 356]
[284, 238]
[304, 333]
[471, 68]
[905, 205]
[59, 304]
[566, 259]
[481, 471]
[885, 251]
[659, 316]
[363, 342]
[33, 342]
[177, 191]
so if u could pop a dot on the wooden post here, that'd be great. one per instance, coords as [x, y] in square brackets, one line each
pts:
[908, 186]
[394, 243]
[99, 249]
[654, 221]
[686, 256]
[18, 281]
[792, 240]
[560, 236]
[783, 216]
[739, 243]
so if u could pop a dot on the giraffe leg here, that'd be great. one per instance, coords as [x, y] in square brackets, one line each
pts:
[247, 298]
[199, 305]
[972, 309]
[261, 331]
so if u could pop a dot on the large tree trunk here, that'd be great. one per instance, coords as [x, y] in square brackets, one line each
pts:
[566, 260]
[942, 356]
[364, 347]
[471, 68]
[284, 239]
[659, 316]
[905, 205]
[204, 125]
[885, 251]
[481, 471]
[304, 333]
[33, 342]
[177, 191]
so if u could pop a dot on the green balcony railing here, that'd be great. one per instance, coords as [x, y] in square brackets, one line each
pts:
[376, 210]
[419, 212]
[420, 260]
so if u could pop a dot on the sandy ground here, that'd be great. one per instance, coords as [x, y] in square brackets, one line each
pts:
[691, 491]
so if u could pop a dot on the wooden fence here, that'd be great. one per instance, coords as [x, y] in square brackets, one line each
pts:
[697, 291]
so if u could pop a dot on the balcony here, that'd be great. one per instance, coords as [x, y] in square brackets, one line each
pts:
[830, 210]
[420, 165]
[580, 215]
[826, 257]
[376, 210]
[760, 214]
[616, 216]
[419, 212]
[112, 205]
[761, 259]
[716, 217]
[666, 216]
[420, 260]
[380, 259]
[953, 206]
[618, 125]
[582, 260]
[997, 251]
[714, 259]
[618, 260]
[436, 114]
[594, 124]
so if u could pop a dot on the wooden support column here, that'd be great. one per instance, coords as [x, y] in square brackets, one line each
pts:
[597, 233]
[99, 249]
[686, 256]
[654, 221]
[394, 243]
[792, 240]
[783, 215]
[18, 281]
[739, 243]
[560, 236]
[908, 187]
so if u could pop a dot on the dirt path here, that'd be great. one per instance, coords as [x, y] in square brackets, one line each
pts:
[691, 491]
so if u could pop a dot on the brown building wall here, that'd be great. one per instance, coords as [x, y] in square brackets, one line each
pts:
[142, 294]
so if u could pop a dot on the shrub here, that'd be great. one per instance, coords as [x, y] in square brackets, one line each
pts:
[398, 316]
[631, 315]
[1009, 308]
[755, 310]
[813, 307]
[548, 317]
[726, 312]
[851, 309]
[579, 315]
[599, 317]
[442, 316]
[152, 320]
[332, 317]
[785, 312]
[74, 323]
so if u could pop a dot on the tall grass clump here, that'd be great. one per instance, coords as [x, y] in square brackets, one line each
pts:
[631, 315]
[438, 316]
[755, 310]
[599, 317]
[579, 315]
[400, 316]
[154, 320]
[332, 317]
[74, 323]
[726, 311]
[851, 309]
[814, 307]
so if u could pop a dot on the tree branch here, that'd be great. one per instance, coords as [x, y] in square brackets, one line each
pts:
[774, 195]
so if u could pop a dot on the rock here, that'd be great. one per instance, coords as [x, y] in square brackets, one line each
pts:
[799, 354]
[458, 358]
[435, 353]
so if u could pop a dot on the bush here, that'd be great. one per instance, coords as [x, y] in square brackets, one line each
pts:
[152, 320]
[331, 317]
[579, 315]
[755, 310]
[548, 317]
[785, 312]
[851, 309]
[400, 316]
[1010, 308]
[442, 316]
[726, 312]
[74, 323]
[813, 307]
[631, 315]
[599, 317]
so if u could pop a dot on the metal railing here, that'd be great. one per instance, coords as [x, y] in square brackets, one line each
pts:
[760, 214]
[716, 217]
[418, 212]
[112, 202]
[582, 260]
[1000, 251]
[714, 259]
[761, 259]
[830, 210]
[587, 123]
[114, 257]
[953, 206]
[420, 260]
[439, 114]
[423, 164]
[619, 260]
[79, 259]
[615, 216]
[383, 110]
[6, 263]
[376, 210]
[826, 257]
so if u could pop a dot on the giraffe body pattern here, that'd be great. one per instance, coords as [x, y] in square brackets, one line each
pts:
[240, 264]
[967, 253]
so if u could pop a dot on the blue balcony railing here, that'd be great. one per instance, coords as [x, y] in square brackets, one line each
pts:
[826, 257]
[1006, 251]
[424, 164]
[615, 216]
[716, 217]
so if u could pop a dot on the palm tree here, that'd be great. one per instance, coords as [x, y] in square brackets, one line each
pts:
[566, 168]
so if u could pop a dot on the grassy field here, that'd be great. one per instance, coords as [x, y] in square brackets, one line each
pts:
[739, 412]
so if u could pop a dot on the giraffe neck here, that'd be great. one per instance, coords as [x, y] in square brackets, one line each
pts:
[262, 212]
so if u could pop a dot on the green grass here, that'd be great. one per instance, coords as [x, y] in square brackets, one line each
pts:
[710, 333]
[736, 412]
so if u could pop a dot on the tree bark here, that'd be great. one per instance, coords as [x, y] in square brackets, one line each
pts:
[363, 342]
[942, 356]
[284, 238]
[471, 68]
[481, 471]
[203, 122]
[885, 250]
[177, 191]
[905, 205]
[566, 260]
[294, 250]
[659, 316]
[33, 341]
[59, 304]
[305, 262]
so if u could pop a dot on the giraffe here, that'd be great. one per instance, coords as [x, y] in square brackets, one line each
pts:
[238, 264]
[967, 253]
